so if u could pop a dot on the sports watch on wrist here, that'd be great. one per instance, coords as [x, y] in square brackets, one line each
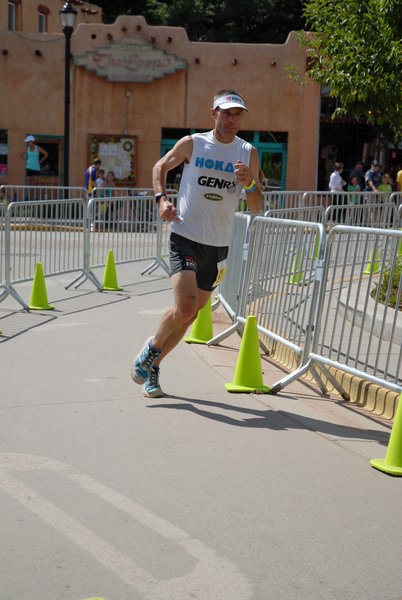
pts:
[159, 195]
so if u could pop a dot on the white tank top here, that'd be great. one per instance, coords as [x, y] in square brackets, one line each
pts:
[209, 192]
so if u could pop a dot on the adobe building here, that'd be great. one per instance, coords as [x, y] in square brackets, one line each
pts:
[136, 89]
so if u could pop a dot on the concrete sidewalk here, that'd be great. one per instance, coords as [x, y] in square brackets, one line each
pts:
[201, 494]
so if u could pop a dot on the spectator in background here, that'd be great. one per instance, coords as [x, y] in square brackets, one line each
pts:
[354, 186]
[358, 172]
[109, 187]
[91, 174]
[101, 183]
[33, 160]
[373, 177]
[3, 196]
[354, 217]
[100, 193]
[385, 186]
[399, 180]
[110, 184]
[336, 183]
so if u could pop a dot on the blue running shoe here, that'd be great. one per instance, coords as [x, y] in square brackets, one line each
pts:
[141, 366]
[152, 389]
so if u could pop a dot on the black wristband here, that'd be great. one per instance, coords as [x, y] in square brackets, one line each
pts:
[159, 196]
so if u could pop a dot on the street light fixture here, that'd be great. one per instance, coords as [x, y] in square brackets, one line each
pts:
[68, 15]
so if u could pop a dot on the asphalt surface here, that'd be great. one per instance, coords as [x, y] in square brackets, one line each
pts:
[200, 495]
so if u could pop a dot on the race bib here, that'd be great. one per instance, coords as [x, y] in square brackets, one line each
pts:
[221, 266]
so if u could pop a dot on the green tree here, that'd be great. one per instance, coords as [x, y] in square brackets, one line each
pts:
[355, 48]
[247, 21]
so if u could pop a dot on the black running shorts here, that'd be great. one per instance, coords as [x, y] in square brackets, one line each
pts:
[186, 255]
[32, 173]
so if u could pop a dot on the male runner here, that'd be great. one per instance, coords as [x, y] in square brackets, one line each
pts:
[217, 165]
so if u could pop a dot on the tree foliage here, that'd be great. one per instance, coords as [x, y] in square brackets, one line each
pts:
[354, 48]
[247, 21]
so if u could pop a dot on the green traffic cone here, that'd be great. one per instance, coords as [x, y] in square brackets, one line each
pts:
[373, 265]
[39, 295]
[109, 277]
[202, 329]
[248, 373]
[392, 463]
[296, 274]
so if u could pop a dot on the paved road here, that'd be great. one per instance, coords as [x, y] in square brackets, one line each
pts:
[200, 495]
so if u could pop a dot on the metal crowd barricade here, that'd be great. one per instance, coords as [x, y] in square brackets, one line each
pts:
[281, 199]
[50, 232]
[117, 192]
[163, 229]
[19, 193]
[360, 333]
[127, 225]
[163, 239]
[400, 216]
[383, 215]
[281, 285]
[3, 209]
[229, 291]
[358, 255]
[342, 199]
[283, 279]
[313, 214]
[396, 198]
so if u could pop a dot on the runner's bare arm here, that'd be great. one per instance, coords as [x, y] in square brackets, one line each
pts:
[249, 176]
[44, 154]
[254, 199]
[181, 152]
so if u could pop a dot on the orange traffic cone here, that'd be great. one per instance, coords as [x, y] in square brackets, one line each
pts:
[392, 463]
[248, 373]
[39, 295]
[202, 329]
[109, 277]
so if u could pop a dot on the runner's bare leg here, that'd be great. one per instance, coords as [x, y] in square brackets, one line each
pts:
[188, 299]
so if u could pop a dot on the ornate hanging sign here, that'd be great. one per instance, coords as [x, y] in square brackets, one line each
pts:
[130, 60]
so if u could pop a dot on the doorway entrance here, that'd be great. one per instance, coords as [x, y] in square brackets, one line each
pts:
[273, 163]
[51, 168]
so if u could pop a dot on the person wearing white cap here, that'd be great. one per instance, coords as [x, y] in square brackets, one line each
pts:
[218, 165]
[33, 160]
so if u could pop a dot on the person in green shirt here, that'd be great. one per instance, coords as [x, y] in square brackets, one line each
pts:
[353, 186]
[385, 186]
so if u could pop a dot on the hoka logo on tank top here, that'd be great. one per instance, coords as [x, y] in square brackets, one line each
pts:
[217, 165]
[215, 182]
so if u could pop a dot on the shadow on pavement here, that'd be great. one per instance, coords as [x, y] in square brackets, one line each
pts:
[271, 419]
[16, 323]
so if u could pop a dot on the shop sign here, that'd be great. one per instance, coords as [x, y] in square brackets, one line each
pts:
[130, 60]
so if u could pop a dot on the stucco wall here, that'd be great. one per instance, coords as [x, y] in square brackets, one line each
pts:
[27, 14]
[32, 91]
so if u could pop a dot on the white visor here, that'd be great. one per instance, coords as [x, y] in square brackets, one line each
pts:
[231, 101]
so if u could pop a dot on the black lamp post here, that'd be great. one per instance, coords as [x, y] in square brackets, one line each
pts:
[68, 15]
